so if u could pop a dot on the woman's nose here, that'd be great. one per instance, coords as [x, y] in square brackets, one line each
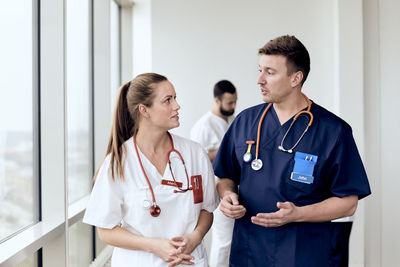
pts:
[177, 106]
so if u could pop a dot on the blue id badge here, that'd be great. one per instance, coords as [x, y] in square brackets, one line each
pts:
[303, 168]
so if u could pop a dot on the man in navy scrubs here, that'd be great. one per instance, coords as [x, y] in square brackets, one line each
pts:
[286, 168]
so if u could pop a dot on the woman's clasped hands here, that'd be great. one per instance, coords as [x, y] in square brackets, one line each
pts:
[177, 250]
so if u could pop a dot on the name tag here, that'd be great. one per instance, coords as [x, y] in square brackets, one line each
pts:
[307, 179]
[171, 183]
[303, 168]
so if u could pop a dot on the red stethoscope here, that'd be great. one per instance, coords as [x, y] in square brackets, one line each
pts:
[155, 210]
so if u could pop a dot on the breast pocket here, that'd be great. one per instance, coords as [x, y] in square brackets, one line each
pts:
[302, 183]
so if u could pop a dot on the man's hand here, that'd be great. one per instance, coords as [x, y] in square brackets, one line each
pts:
[287, 213]
[230, 206]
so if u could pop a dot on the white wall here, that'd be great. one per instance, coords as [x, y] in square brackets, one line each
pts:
[390, 127]
[382, 37]
[197, 43]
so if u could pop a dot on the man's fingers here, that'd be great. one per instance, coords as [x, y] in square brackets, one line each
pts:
[265, 221]
[270, 216]
[235, 213]
[229, 206]
[232, 207]
[233, 199]
[283, 205]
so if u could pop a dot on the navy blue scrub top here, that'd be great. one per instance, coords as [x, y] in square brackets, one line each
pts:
[338, 171]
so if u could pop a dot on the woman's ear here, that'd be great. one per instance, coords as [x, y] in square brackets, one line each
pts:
[143, 111]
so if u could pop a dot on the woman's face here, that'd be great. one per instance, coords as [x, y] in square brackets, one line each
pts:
[163, 113]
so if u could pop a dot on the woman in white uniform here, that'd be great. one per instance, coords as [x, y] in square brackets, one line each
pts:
[154, 194]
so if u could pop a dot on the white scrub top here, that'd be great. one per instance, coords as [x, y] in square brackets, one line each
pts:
[209, 130]
[120, 202]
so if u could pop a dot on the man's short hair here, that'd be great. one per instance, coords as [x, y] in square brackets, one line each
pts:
[297, 57]
[222, 87]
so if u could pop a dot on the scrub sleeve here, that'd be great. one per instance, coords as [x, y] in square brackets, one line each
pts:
[105, 202]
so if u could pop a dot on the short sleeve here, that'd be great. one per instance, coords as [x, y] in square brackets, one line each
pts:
[210, 195]
[203, 135]
[225, 163]
[105, 202]
[345, 169]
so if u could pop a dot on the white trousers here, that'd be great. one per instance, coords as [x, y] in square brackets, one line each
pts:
[221, 239]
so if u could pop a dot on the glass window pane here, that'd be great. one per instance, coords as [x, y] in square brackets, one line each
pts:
[78, 99]
[80, 245]
[18, 203]
[115, 51]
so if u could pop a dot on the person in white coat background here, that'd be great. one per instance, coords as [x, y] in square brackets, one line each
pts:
[154, 193]
[209, 131]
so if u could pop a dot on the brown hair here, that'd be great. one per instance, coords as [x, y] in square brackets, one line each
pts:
[126, 118]
[297, 57]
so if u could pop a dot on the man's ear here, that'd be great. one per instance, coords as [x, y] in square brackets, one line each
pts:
[297, 78]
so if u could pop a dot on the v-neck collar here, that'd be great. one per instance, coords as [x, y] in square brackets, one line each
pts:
[153, 170]
[289, 121]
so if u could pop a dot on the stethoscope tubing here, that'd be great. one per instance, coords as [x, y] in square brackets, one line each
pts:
[155, 209]
[294, 119]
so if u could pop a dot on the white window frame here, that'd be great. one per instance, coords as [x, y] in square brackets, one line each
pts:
[51, 232]
[49, 236]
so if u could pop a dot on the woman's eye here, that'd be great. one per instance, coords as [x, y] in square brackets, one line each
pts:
[168, 100]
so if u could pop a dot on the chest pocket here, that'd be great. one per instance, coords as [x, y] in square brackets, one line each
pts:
[302, 185]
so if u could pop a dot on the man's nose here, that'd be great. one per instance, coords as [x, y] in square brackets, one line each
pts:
[261, 79]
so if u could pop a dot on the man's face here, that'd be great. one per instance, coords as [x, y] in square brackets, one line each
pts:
[227, 104]
[275, 83]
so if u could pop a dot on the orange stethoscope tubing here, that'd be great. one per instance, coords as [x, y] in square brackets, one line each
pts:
[294, 119]
[155, 210]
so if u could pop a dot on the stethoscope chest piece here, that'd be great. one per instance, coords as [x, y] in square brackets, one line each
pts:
[155, 211]
[147, 204]
[256, 164]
